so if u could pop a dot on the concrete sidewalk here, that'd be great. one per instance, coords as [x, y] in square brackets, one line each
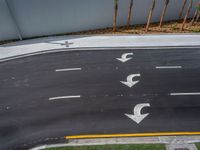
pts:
[171, 142]
[96, 41]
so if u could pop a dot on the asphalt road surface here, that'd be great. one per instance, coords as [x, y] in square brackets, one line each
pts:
[46, 97]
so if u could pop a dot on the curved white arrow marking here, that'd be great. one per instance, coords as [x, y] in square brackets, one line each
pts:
[124, 57]
[137, 116]
[130, 83]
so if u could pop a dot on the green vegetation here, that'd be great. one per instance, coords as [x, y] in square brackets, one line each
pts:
[198, 146]
[116, 147]
[174, 26]
[198, 7]
[196, 30]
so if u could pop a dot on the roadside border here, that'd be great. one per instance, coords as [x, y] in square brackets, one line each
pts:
[167, 140]
[95, 48]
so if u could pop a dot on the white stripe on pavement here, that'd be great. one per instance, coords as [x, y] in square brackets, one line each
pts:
[68, 69]
[168, 67]
[179, 94]
[64, 97]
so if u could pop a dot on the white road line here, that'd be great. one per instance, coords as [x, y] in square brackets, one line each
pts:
[180, 94]
[64, 97]
[68, 69]
[168, 67]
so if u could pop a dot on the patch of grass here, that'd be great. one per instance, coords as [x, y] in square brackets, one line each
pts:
[196, 30]
[198, 146]
[198, 7]
[174, 26]
[116, 147]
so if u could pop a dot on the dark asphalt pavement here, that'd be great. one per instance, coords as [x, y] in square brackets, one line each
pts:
[28, 118]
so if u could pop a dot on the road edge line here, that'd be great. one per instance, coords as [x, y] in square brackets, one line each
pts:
[89, 136]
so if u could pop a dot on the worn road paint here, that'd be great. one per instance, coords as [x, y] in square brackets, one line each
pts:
[137, 116]
[168, 67]
[64, 97]
[68, 69]
[124, 57]
[130, 83]
[184, 94]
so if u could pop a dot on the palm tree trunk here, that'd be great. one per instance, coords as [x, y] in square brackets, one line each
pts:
[163, 13]
[129, 13]
[181, 12]
[186, 15]
[115, 16]
[150, 15]
[194, 17]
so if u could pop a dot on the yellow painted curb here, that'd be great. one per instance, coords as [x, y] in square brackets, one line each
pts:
[131, 135]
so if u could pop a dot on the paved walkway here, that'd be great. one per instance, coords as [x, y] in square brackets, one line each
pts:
[181, 147]
[98, 41]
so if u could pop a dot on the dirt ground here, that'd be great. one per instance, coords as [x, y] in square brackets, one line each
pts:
[168, 27]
